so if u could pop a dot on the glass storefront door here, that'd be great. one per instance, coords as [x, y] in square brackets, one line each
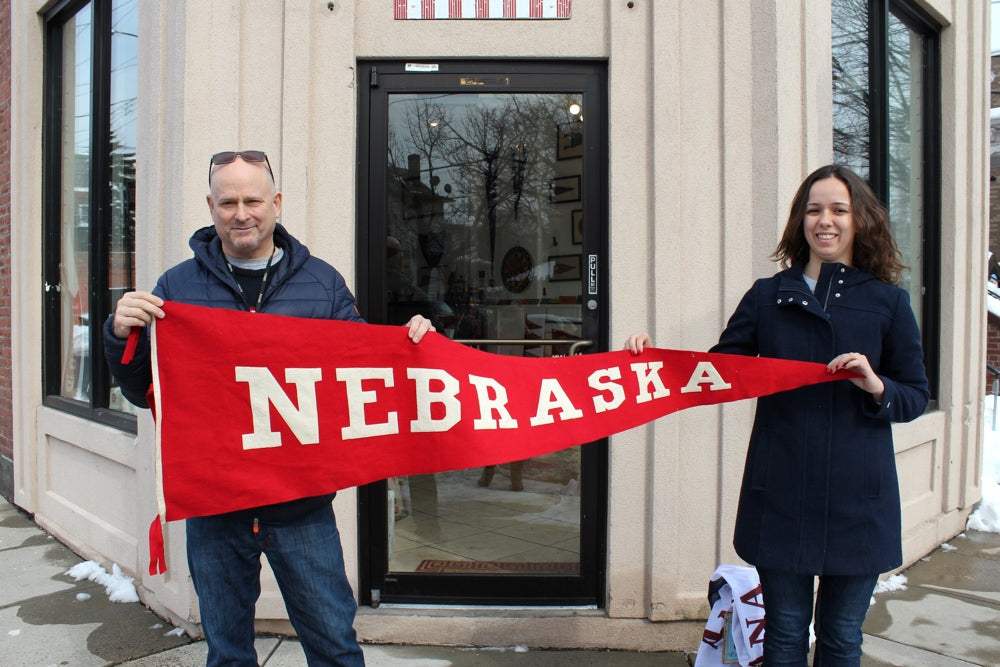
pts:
[483, 191]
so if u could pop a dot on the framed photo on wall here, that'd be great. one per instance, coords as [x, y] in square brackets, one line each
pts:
[564, 267]
[570, 140]
[576, 222]
[564, 189]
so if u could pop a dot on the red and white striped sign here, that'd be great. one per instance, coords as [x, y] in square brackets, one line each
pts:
[482, 9]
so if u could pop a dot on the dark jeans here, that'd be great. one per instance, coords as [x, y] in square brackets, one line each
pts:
[840, 606]
[305, 554]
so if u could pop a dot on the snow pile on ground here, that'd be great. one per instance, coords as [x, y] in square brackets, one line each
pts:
[118, 587]
[896, 582]
[986, 518]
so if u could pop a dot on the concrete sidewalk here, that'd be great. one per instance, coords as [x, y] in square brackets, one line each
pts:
[948, 615]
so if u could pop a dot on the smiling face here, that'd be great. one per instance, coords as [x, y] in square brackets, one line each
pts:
[245, 207]
[828, 224]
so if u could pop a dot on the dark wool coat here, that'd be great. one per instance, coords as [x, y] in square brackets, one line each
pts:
[301, 286]
[820, 493]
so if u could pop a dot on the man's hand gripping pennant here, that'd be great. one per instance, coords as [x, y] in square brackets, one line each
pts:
[254, 409]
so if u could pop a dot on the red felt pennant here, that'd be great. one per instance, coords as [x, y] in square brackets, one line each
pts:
[254, 409]
[130, 345]
[157, 559]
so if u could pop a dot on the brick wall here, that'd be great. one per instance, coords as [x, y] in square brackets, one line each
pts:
[992, 323]
[6, 406]
[992, 349]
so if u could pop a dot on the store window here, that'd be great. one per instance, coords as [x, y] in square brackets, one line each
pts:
[89, 198]
[886, 126]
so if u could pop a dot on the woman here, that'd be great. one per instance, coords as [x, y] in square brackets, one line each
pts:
[820, 495]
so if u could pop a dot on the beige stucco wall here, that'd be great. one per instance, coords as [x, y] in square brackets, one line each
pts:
[717, 111]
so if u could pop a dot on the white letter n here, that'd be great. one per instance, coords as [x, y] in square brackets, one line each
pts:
[265, 391]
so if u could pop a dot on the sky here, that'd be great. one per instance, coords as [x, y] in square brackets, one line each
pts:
[995, 26]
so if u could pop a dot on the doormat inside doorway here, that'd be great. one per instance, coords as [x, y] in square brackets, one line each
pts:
[496, 567]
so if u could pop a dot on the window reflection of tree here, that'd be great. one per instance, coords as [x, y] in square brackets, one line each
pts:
[906, 116]
[903, 106]
[484, 168]
[851, 99]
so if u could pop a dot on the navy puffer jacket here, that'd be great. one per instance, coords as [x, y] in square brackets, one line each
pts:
[301, 286]
[820, 493]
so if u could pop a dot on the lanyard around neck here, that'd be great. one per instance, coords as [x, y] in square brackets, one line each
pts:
[263, 281]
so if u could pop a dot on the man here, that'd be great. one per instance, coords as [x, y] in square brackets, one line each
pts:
[246, 260]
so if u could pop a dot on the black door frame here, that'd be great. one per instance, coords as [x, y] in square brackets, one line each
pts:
[378, 79]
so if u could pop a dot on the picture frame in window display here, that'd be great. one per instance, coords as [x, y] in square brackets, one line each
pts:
[564, 189]
[569, 140]
[564, 267]
[516, 269]
[576, 223]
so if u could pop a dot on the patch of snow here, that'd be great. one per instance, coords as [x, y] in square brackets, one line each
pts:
[986, 516]
[118, 587]
[896, 582]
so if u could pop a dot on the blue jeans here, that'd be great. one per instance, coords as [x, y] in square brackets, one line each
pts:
[305, 554]
[841, 605]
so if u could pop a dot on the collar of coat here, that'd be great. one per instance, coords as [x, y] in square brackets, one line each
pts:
[833, 276]
[207, 249]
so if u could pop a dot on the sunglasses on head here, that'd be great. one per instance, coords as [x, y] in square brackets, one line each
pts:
[225, 157]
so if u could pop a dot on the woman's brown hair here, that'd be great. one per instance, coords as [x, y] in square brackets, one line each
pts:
[874, 247]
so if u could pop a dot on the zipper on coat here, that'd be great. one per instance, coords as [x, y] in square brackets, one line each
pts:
[826, 300]
[838, 269]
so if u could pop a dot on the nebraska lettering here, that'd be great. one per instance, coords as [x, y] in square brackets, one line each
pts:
[436, 394]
